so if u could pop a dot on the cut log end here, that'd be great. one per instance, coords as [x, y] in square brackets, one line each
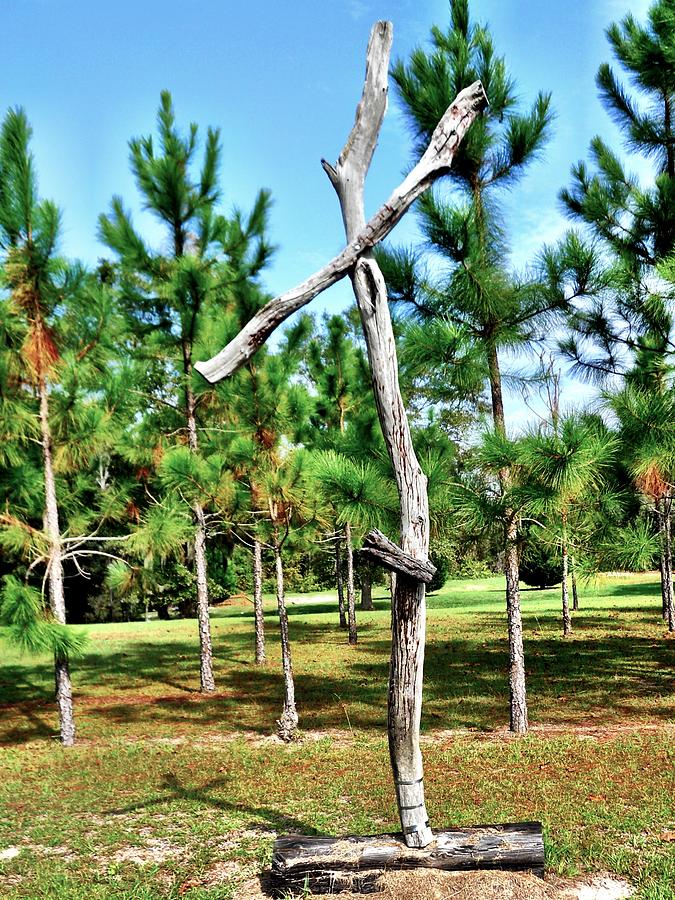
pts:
[379, 549]
[330, 865]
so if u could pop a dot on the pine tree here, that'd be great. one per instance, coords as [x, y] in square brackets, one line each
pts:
[57, 321]
[168, 293]
[564, 464]
[460, 220]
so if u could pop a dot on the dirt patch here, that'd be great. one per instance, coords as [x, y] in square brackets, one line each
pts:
[155, 852]
[433, 884]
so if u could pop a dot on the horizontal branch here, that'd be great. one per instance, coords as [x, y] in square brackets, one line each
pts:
[435, 162]
[379, 549]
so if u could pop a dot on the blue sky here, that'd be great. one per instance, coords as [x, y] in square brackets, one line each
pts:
[281, 79]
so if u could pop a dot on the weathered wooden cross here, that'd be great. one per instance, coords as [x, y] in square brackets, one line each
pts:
[410, 561]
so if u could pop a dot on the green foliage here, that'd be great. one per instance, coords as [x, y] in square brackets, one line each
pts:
[356, 490]
[30, 628]
[633, 548]
[164, 529]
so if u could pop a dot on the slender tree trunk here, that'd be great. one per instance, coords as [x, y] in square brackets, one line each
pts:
[392, 585]
[340, 582]
[575, 595]
[661, 518]
[57, 602]
[566, 617]
[207, 683]
[518, 717]
[667, 504]
[518, 722]
[288, 723]
[367, 587]
[351, 594]
[258, 604]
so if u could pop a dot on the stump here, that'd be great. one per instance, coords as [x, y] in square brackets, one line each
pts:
[328, 865]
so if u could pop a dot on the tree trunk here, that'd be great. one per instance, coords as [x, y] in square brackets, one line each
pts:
[566, 617]
[288, 723]
[258, 604]
[660, 516]
[207, 683]
[517, 689]
[667, 507]
[351, 594]
[575, 595]
[408, 607]
[518, 721]
[409, 610]
[340, 582]
[367, 587]
[57, 603]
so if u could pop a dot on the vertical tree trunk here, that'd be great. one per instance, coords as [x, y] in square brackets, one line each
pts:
[662, 558]
[575, 595]
[667, 507]
[258, 605]
[340, 582]
[57, 603]
[367, 587]
[351, 594]
[566, 617]
[207, 683]
[518, 720]
[288, 723]
[517, 689]
[408, 607]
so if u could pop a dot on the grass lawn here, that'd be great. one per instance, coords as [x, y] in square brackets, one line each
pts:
[171, 794]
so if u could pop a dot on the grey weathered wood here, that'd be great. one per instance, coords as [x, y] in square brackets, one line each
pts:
[406, 669]
[435, 162]
[378, 548]
[347, 177]
[329, 865]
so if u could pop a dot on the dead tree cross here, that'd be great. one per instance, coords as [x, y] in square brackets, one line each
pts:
[356, 260]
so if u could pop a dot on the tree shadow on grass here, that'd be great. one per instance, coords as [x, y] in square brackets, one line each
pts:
[173, 791]
[340, 687]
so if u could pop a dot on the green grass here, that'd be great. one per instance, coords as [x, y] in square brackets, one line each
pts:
[169, 793]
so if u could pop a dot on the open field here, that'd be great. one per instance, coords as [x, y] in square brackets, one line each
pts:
[171, 794]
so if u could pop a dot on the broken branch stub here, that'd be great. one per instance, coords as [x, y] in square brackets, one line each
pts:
[435, 162]
[380, 550]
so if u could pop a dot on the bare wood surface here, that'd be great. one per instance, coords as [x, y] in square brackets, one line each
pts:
[406, 669]
[435, 162]
[378, 548]
[329, 865]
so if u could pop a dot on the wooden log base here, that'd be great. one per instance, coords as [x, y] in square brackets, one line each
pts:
[326, 865]
[379, 549]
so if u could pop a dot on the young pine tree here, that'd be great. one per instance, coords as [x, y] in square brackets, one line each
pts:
[461, 222]
[167, 292]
